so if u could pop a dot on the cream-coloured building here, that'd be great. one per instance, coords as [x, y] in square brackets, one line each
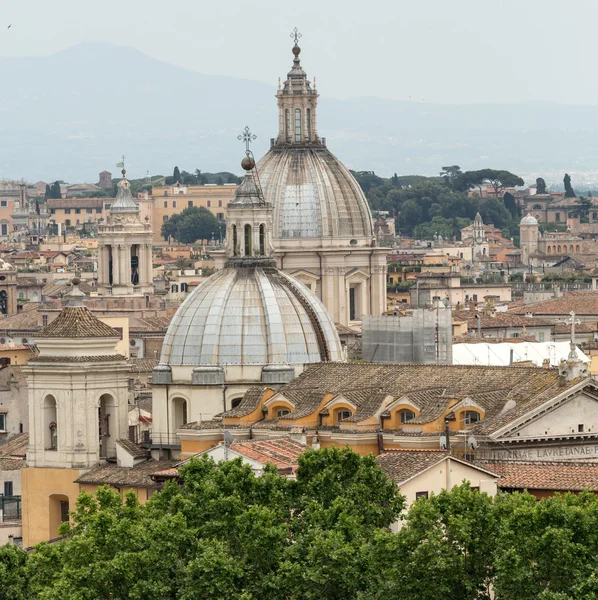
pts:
[78, 394]
[125, 248]
[322, 224]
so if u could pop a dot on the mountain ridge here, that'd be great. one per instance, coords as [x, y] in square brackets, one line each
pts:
[70, 114]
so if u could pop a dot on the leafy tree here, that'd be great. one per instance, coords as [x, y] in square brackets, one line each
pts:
[394, 180]
[55, 190]
[192, 224]
[540, 186]
[48, 193]
[450, 175]
[498, 179]
[219, 181]
[510, 204]
[569, 191]
[176, 175]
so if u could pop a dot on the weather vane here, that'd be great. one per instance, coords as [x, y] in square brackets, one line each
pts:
[247, 137]
[295, 35]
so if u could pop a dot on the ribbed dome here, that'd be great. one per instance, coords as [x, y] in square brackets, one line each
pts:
[529, 220]
[314, 195]
[253, 315]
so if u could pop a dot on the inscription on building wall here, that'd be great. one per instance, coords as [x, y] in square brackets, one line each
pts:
[584, 451]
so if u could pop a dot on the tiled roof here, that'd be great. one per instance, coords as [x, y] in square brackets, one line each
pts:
[497, 319]
[137, 476]
[11, 464]
[78, 359]
[143, 365]
[580, 328]
[282, 452]
[199, 425]
[494, 386]
[248, 404]
[16, 447]
[401, 465]
[133, 449]
[24, 321]
[77, 322]
[555, 475]
[155, 324]
[582, 303]
[78, 202]
[344, 330]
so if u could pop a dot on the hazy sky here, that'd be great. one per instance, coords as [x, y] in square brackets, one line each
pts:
[445, 51]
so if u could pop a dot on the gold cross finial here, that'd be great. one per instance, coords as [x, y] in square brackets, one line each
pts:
[121, 165]
[295, 35]
[247, 137]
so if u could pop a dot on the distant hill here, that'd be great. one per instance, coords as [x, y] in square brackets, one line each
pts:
[72, 114]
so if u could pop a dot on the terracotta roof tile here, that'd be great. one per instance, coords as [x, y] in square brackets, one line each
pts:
[554, 475]
[282, 452]
[400, 465]
[582, 303]
[77, 322]
[137, 476]
[133, 449]
[16, 447]
[498, 319]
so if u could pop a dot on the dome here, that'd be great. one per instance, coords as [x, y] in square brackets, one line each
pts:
[314, 195]
[251, 315]
[528, 220]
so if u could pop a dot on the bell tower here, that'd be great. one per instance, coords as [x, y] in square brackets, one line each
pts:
[125, 248]
[297, 102]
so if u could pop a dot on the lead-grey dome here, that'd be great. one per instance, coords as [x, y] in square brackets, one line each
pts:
[251, 315]
[314, 195]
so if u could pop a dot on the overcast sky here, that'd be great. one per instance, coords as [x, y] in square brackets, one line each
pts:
[445, 51]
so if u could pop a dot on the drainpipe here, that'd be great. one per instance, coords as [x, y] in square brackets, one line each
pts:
[381, 435]
[479, 325]
[224, 388]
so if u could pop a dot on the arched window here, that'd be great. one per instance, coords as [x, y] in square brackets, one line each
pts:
[470, 417]
[262, 240]
[248, 240]
[308, 118]
[51, 424]
[58, 513]
[288, 124]
[405, 416]
[577, 248]
[558, 249]
[594, 216]
[548, 250]
[282, 412]
[297, 125]
[235, 402]
[179, 409]
[343, 414]
[537, 207]
[235, 242]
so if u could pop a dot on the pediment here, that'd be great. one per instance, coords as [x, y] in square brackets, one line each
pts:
[575, 416]
[304, 276]
[357, 276]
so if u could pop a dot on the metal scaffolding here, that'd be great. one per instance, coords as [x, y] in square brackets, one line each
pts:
[423, 337]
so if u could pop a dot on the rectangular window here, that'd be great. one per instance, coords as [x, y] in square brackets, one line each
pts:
[67, 211]
[78, 222]
[174, 204]
[209, 203]
[288, 124]
[98, 211]
[8, 490]
[165, 203]
[52, 211]
[297, 125]
[419, 495]
[44, 320]
[89, 211]
[541, 336]
[220, 203]
[77, 211]
[580, 428]
[165, 218]
[4, 229]
[557, 216]
[220, 216]
[67, 222]
[189, 203]
[64, 510]
[4, 203]
[107, 206]
[3, 422]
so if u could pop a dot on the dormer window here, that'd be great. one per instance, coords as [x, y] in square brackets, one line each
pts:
[406, 415]
[282, 412]
[471, 417]
[341, 415]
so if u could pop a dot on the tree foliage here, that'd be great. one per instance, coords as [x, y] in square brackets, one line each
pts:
[540, 186]
[569, 191]
[225, 533]
[192, 224]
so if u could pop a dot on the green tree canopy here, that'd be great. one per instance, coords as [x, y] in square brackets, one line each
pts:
[540, 186]
[569, 191]
[192, 224]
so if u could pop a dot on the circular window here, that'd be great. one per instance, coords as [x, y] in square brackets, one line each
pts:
[353, 242]
[24, 340]
[132, 342]
[2, 277]
[2, 340]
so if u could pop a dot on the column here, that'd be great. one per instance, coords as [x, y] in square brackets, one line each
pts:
[115, 264]
[341, 293]
[127, 265]
[149, 265]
